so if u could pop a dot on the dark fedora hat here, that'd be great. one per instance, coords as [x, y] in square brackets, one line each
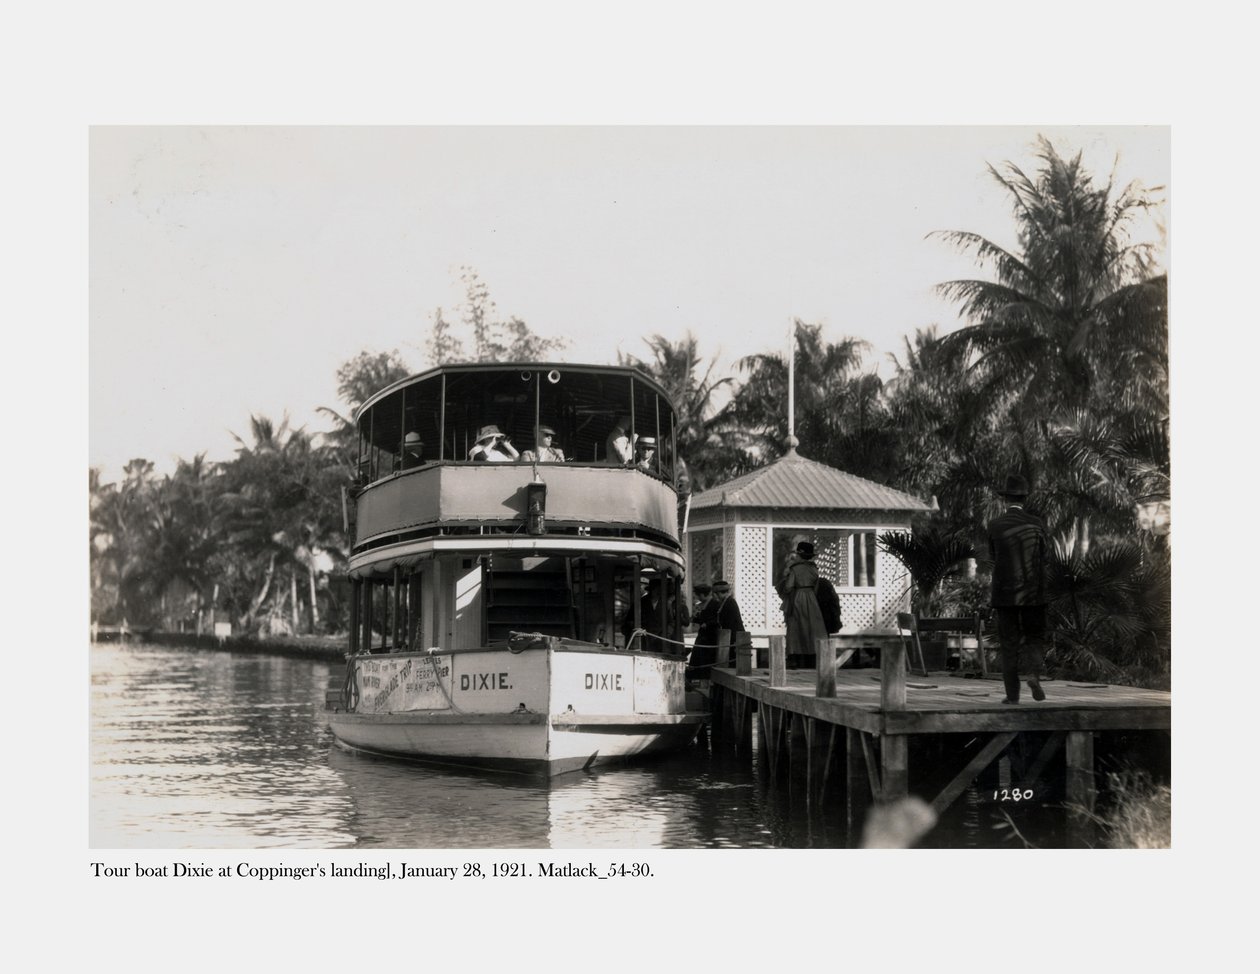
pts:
[1016, 486]
[805, 549]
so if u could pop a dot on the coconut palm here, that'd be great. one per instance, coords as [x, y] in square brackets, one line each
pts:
[707, 444]
[827, 392]
[1075, 320]
[1079, 310]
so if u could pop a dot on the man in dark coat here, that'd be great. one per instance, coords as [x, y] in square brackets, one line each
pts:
[729, 618]
[1019, 544]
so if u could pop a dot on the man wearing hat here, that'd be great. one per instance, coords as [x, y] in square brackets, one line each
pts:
[729, 618]
[492, 446]
[412, 449]
[1018, 544]
[645, 448]
[543, 451]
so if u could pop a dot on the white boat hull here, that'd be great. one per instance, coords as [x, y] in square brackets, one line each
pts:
[548, 710]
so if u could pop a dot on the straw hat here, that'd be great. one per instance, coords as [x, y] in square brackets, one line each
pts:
[488, 433]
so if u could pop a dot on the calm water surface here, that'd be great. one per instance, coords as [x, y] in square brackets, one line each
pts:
[214, 750]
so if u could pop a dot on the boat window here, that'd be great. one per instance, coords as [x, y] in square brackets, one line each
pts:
[449, 412]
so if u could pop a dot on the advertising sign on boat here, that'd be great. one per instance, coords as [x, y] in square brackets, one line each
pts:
[402, 683]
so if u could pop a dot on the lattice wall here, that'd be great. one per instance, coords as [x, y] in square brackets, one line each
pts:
[857, 610]
[894, 587]
[728, 553]
[751, 580]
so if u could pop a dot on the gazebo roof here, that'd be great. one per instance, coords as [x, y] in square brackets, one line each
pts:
[795, 482]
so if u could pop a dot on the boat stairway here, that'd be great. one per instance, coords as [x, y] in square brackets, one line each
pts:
[530, 600]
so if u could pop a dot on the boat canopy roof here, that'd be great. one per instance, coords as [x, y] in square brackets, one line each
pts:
[442, 414]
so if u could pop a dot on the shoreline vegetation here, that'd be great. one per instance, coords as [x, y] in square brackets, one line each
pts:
[326, 648]
[1058, 373]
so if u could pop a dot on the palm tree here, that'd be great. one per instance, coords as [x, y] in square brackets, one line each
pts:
[828, 395]
[706, 442]
[181, 537]
[1075, 321]
[932, 556]
[280, 513]
[1080, 309]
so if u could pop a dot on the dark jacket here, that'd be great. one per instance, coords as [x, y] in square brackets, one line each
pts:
[728, 617]
[1019, 545]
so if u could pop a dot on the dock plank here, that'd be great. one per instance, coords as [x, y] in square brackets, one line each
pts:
[943, 703]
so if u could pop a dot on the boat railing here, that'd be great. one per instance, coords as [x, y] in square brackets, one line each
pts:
[582, 497]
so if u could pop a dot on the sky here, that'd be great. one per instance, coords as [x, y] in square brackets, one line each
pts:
[233, 269]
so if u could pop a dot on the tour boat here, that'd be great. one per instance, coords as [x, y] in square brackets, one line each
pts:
[515, 597]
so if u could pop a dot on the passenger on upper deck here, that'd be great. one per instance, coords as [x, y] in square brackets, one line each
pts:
[645, 448]
[543, 451]
[619, 448]
[411, 455]
[492, 446]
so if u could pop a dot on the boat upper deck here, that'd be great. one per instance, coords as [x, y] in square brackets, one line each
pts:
[472, 457]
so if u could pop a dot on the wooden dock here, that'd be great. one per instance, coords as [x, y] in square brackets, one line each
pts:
[854, 728]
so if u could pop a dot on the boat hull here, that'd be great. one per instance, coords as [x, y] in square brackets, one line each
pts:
[548, 711]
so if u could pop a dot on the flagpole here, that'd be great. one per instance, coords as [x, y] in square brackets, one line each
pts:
[792, 382]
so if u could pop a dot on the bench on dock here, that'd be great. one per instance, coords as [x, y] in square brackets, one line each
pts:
[914, 624]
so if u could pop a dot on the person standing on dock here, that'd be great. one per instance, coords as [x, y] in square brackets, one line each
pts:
[797, 586]
[728, 618]
[705, 615]
[1018, 544]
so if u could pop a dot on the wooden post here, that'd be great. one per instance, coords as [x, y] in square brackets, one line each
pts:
[894, 758]
[798, 748]
[1081, 791]
[745, 730]
[719, 654]
[825, 686]
[856, 788]
[820, 738]
[778, 661]
[892, 691]
[744, 654]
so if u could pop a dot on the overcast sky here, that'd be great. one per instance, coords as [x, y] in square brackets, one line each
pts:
[233, 269]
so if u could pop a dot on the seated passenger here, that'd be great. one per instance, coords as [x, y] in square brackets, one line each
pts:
[543, 451]
[645, 450]
[411, 455]
[492, 446]
[619, 447]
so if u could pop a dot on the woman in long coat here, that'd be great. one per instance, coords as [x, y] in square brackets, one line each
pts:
[796, 586]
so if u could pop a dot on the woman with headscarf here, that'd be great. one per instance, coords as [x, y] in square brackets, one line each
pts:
[796, 586]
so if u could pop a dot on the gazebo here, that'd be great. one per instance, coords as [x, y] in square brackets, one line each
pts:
[742, 531]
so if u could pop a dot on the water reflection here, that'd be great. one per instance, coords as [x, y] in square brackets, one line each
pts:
[214, 750]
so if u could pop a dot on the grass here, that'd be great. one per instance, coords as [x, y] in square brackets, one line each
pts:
[1140, 815]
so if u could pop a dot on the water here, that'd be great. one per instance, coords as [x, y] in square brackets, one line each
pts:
[210, 750]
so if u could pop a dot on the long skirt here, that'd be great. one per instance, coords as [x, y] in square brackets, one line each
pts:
[804, 623]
